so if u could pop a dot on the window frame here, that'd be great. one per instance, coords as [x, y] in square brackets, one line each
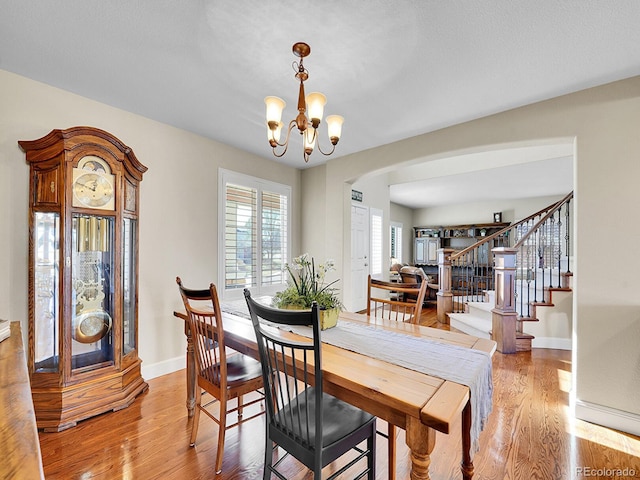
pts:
[261, 185]
[396, 239]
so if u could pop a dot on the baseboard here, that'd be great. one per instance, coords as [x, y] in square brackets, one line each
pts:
[552, 343]
[162, 368]
[608, 417]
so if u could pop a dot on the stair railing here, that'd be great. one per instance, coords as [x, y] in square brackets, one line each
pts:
[542, 239]
[543, 255]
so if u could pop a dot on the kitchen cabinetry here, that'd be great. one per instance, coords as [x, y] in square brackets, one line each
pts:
[427, 240]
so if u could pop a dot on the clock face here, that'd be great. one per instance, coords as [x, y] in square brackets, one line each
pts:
[93, 190]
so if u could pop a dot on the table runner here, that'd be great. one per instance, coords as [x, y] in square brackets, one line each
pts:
[465, 366]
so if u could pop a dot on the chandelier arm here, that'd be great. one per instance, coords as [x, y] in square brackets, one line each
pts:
[285, 144]
[292, 124]
[320, 148]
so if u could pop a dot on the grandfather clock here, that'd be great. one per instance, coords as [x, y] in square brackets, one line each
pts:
[83, 275]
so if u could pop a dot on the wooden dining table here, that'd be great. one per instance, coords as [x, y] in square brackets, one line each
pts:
[420, 404]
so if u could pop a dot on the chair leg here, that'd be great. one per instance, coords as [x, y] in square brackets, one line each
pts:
[240, 406]
[268, 459]
[371, 458]
[392, 451]
[221, 433]
[196, 417]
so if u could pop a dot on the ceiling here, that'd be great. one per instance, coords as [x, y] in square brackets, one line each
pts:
[393, 69]
[510, 173]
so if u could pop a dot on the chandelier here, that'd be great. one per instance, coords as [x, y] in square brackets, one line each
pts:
[309, 116]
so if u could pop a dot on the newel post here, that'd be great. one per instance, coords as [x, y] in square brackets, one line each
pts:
[504, 315]
[444, 295]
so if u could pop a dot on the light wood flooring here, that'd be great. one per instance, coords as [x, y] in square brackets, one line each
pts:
[530, 435]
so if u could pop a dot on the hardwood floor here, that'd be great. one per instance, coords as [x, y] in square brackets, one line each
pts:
[529, 435]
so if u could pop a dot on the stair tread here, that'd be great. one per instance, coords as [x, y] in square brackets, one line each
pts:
[541, 304]
[484, 306]
[470, 324]
[524, 336]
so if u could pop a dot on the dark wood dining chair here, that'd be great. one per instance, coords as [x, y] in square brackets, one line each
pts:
[224, 375]
[401, 302]
[307, 423]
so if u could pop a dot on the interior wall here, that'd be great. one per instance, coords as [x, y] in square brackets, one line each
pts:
[314, 186]
[512, 210]
[602, 123]
[178, 205]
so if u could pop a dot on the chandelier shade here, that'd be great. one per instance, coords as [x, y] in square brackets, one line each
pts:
[275, 105]
[309, 118]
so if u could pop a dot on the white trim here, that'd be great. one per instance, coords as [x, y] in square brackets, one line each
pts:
[228, 176]
[552, 343]
[164, 367]
[608, 417]
[376, 256]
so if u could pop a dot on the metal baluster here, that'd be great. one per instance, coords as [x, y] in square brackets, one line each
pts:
[559, 255]
[552, 237]
[567, 232]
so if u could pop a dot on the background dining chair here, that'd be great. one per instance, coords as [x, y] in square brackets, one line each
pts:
[312, 426]
[412, 274]
[401, 302]
[395, 300]
[223, 375]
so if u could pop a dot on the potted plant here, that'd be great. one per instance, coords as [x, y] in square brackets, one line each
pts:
[306, 284]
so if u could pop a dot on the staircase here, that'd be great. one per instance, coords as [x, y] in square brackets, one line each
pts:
[530, 268]
[548, 324]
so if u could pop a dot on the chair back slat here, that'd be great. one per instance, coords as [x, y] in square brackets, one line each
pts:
[405, 307]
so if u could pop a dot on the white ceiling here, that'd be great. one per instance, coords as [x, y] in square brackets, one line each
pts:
[392, 68]
[509, 173]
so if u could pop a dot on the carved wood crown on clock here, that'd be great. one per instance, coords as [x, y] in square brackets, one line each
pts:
[83, 270]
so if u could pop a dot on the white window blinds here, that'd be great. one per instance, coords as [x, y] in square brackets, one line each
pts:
[256, 234]
[240, 237]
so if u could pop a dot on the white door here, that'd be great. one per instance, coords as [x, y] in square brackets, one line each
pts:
[359, 257]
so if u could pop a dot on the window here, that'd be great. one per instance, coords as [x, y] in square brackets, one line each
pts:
[255, 234]
[376, 242]
[396, 241]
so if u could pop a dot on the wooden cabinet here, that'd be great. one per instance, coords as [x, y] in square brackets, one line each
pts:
[426, 250]
[427, 240]
[83, 264]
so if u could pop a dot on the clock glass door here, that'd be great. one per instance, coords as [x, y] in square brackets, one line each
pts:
[129, 282]
[92, 302]
[46, 299]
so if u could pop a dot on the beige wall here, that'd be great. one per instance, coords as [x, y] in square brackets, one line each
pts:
[603, 122]
[178, 205]
[482, 212]
[314, 187]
